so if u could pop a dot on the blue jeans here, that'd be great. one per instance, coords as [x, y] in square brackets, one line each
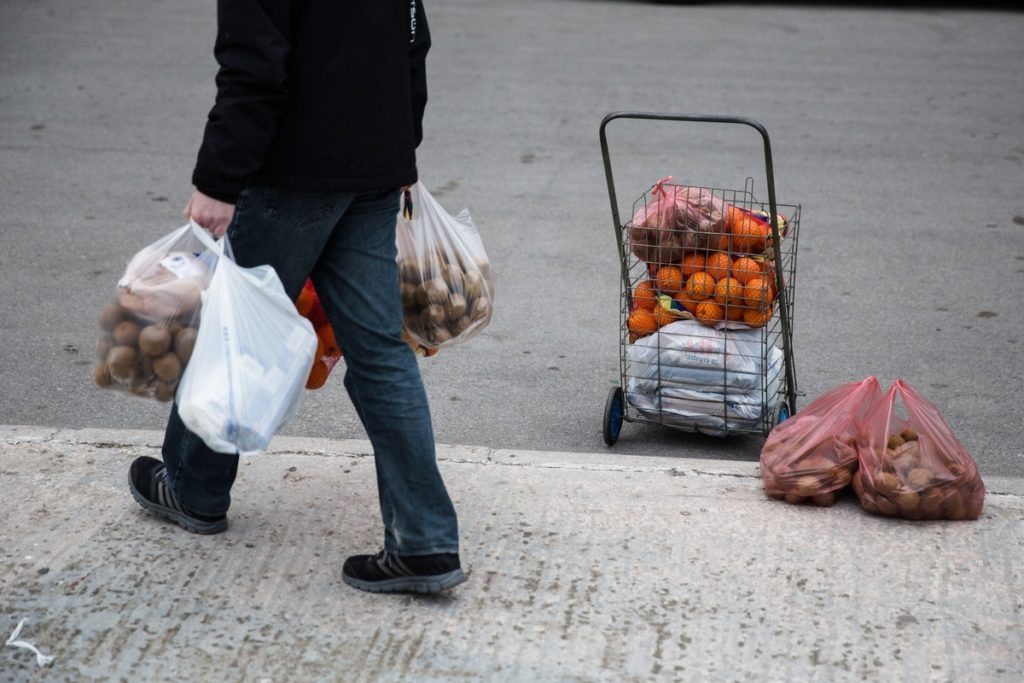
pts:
[345, 242]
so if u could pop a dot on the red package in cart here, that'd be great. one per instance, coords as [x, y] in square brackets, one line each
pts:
[913, 467]
[676, 219]
[812, 456]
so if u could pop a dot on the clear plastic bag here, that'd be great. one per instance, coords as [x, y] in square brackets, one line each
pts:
[914, 467]
[446, 282]
[812, 456]
[251, 359]
[148, 329]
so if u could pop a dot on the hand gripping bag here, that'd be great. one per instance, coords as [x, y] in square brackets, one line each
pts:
[812, 456]
[148, 328]
[913, 467]
[445, 275]
[251, 359]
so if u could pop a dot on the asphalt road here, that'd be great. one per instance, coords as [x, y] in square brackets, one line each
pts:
[899, 132]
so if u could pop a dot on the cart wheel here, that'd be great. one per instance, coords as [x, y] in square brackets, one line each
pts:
[780, 414]
[613, 411]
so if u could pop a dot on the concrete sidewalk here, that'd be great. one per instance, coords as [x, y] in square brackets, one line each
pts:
[582, 567]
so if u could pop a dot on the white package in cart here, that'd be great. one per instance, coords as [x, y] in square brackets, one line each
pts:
[694, 356]
[250, 362]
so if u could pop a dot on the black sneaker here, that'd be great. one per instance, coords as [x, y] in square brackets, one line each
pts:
[391, 573]
[147, 480]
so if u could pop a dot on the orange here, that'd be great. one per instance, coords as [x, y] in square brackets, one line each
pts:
[304, 304]
[643, 296]
[718, 265]
[748, 232]
[700, 286]
[745, 268]
[641, 322]
[317, 374]
[757, 318]
[663, 316]
[693, 262]
[320, 347]
[759, 293]
[735, 312]
[686, 302]
[709, 313]
[729, 291]
[670, 279]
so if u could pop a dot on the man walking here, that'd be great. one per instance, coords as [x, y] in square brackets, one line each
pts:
[312, 135]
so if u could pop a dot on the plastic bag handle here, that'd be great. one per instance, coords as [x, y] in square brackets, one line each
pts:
[218, 246]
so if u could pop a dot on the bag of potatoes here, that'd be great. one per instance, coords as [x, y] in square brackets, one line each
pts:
[914, 467]
[444, 273]
[148, 329]
[811, 457]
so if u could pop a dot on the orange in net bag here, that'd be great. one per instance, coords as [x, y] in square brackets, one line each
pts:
[914, 467]
[328, 353]
[811, 457]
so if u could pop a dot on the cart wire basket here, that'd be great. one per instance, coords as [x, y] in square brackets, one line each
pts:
[705, 303]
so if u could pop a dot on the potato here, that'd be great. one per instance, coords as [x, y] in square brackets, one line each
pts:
[886, 483]
[432, 315]
[808, 486]
[101, 373]
[894, 442]
[167, 367]
[184, 343]
[919, 478]
[111, 315]
[154, 340]
[825, 499]
[126, 333]
[455, 306]
[121, 362]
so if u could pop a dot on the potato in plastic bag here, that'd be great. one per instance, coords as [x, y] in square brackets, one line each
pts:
[811, 457]
[445, 276]
[148, 330]
[914, 468]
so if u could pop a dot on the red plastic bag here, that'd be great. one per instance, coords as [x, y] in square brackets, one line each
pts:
[914, 468]
[677, 219]
[811, 457]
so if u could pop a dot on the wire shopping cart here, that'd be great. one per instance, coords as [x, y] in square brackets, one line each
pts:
[706, 302]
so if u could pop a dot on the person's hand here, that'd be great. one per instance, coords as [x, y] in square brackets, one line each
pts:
[209, 213]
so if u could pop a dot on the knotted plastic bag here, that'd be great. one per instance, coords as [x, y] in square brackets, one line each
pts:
[148, 329]
[251, 359]
[446, 282]
[812, 456]
[913, 467]
[677, 218]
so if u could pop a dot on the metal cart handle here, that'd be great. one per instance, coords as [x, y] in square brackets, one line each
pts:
[769, 174]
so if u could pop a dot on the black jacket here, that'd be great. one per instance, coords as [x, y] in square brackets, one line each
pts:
[324, 95]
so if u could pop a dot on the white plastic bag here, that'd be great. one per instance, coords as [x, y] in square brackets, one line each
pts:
[250, 362]
[447, 287]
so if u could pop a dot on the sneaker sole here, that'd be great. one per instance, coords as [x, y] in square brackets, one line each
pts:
[409, 584]
[184, 521]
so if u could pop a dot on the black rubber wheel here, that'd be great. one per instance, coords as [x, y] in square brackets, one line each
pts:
[613, 416]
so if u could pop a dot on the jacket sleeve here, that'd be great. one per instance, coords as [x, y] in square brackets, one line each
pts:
[419, 45]
[252, 50]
